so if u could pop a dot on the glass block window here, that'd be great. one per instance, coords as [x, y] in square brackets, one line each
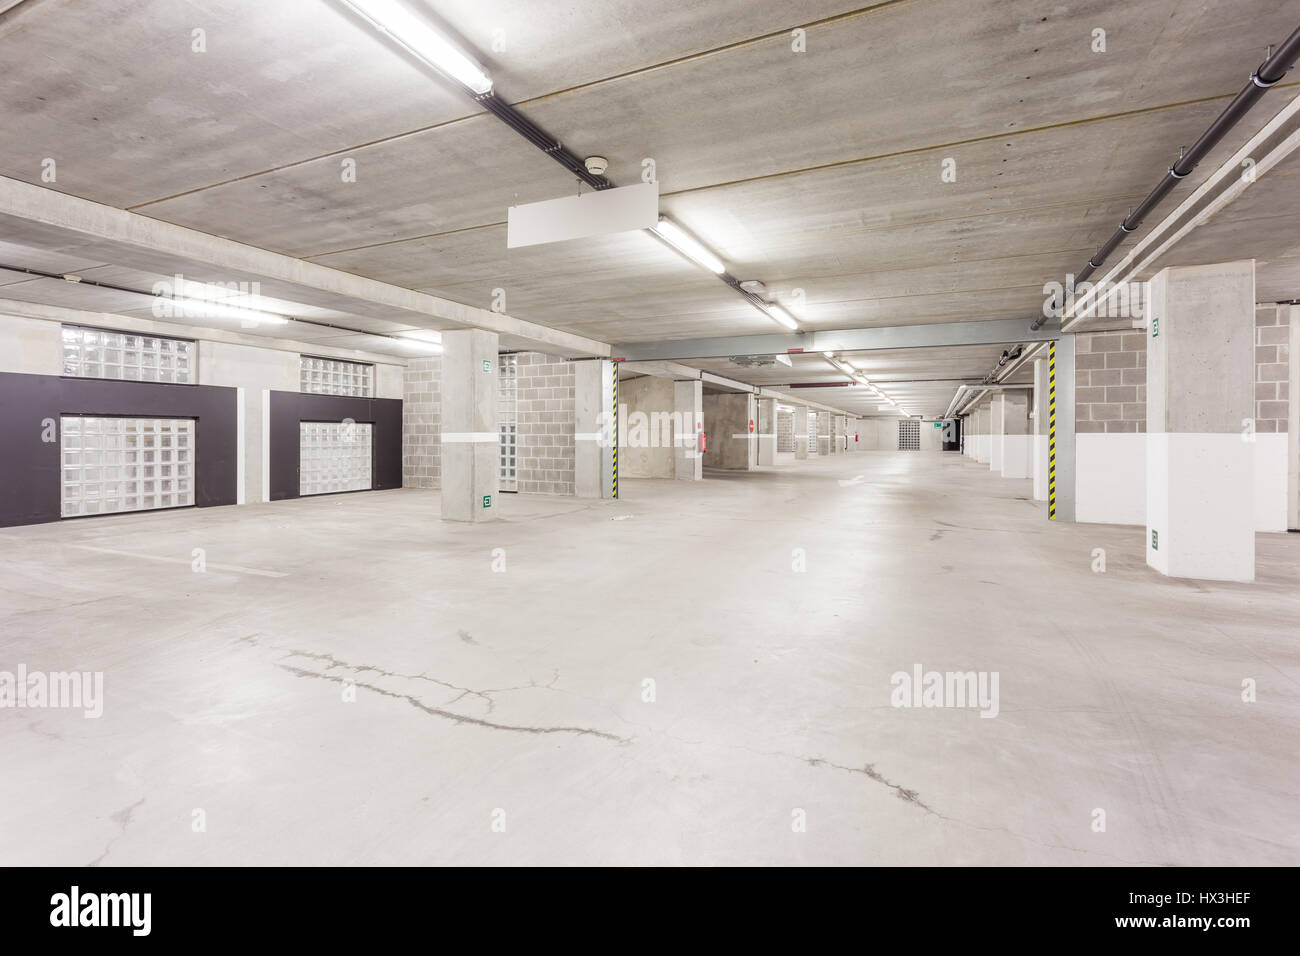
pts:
[126, 356]
[785, 431]
[812, 433]
[333, 456]
[323, 376]
[126, 464]
[508, 420]
[909, 434]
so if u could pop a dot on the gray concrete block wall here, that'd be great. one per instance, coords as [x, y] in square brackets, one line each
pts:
[546, 452]
[422, 423]
[1110, 390]
[1272, 368]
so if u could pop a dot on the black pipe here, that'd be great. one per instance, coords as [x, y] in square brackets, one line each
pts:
[1269, 74]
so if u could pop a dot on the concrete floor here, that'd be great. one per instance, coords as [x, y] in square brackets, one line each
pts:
[522, 690]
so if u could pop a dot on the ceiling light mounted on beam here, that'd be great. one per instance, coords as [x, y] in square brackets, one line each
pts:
[419, 38]
[688, 245]
[779, 313]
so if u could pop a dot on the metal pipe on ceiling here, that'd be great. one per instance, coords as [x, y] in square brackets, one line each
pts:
[1269, 73]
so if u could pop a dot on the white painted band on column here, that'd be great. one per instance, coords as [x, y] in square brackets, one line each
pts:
[476, 438]
[589, 436]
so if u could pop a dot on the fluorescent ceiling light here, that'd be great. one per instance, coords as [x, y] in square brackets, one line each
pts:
[203, 308]
[420, 38]
[688, 245]
[424, 336]
[781, 315]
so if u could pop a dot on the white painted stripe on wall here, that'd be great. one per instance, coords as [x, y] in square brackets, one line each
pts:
[241, 463]
[589, 436]
[1111, 476]
[1271, 482]
[475, 438]
[266, 444]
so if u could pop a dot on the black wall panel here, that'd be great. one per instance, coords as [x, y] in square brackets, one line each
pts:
[30, 468]
[288, 409]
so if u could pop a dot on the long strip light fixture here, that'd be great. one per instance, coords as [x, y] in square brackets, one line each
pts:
[693, 249]
[421, 40]
[849, 369]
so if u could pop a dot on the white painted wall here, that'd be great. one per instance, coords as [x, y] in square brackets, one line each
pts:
[1110, 479]
[1111, 473]
[30, 346]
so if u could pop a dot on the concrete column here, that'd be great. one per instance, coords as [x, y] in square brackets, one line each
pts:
[823, 433]
[767, 431]
[995, 434]
[1200, 399]
[802, 422]
[1016, 440]
[688, 417]
[1040, 429]
[471, 445]
[731, 444]
[982, 434]
[595, 423]
[646, 427]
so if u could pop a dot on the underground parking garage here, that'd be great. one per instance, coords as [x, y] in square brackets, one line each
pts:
[547, 434]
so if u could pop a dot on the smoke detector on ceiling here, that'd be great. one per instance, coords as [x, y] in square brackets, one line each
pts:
[596, 165]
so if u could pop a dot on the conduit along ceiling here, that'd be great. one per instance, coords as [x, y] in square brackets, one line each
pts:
[818, 173]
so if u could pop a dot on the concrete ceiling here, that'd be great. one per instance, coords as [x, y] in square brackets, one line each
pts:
[815, 171]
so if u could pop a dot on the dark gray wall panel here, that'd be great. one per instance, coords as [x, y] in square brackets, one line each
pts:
[288, 409]
[30, 469]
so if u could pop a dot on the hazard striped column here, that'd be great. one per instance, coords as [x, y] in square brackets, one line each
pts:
[1051, 431]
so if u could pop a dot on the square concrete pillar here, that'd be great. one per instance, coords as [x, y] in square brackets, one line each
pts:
[731, 429]
[823, 433]
[688, 417]
[982, 434]
[995, 433]
[1200, 410]
[471, 444]
[1040, 429]
[767, 431]
[803, 420]
[595, 427]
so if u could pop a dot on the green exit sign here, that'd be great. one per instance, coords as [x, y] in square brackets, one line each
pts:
[487, 501]
[1155, 540]
[487, 367]
[938, 424]
[1155, 327]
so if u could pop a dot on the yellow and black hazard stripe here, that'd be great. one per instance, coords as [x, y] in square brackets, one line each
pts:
[1051, 430]
[613, 468]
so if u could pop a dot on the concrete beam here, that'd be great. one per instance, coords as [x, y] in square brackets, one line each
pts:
[998, 332]
[107, 223]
